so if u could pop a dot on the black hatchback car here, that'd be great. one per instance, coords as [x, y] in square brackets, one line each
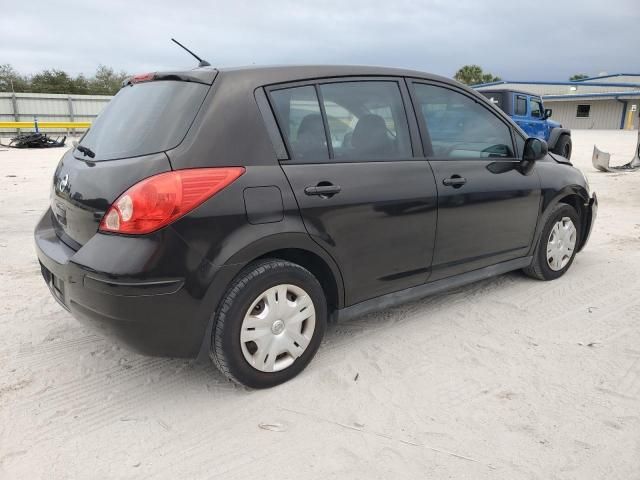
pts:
[233, 213]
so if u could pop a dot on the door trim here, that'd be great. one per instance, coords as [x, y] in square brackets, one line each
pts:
[421, 291]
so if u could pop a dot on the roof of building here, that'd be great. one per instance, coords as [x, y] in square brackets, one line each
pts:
[588, 79]
[597, 88]
[536, 82]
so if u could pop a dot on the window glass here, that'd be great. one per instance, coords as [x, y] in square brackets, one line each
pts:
[519, 146]
[298, 113]
[583, 111]
[459, 127]
[366, 120]
[536, 108]
[521, 105]
[145, 118]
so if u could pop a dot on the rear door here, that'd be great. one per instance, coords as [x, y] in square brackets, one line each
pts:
[363, 195]
[487, 205]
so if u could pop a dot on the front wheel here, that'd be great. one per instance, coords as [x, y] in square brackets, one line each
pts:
[557, 245]
[269, 325]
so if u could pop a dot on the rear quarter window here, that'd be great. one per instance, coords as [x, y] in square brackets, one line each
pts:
[496, 98]
[145, 118]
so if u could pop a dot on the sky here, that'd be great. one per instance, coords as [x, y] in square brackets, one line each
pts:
[517, 40]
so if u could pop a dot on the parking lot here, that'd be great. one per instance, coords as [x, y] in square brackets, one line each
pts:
[507, 378]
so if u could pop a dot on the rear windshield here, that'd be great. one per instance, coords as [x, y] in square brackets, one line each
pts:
[144, 118]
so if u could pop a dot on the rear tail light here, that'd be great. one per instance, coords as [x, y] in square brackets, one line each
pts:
[142, 77]
[159, 200]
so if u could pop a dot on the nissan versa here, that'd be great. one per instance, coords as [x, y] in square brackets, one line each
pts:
[233, 213]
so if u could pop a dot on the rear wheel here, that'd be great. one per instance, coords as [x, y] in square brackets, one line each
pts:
[557, 245]
[269, 325]
[563, 146]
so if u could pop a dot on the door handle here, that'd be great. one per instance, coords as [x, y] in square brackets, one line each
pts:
[323, 190]
[455, 181]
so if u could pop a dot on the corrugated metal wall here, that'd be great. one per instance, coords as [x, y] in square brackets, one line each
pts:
[604, 114]
[49, 107]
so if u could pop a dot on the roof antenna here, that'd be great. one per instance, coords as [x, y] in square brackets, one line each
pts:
[203, 63]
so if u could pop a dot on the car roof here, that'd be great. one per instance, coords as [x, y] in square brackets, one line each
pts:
[265, 75]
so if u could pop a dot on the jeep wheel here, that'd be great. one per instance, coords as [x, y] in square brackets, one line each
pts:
[563, 146]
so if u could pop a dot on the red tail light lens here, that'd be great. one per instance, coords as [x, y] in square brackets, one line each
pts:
[142, 77]
[159, 200]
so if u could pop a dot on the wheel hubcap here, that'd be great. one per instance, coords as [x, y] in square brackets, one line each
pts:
[277, 328]
[561, 243]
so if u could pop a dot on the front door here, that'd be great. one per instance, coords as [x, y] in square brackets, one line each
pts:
[487, 205]
[521, 114]
[362, 194]
[538, 122]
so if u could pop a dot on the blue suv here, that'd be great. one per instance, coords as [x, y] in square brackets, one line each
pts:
[528, 111]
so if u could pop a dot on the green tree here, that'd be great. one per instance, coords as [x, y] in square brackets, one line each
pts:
[12, 81]
[106, 81]
[81, 86]
[53, 81]
[578, 76]
[473, 74]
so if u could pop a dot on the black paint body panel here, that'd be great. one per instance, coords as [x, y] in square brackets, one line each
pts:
[393, 232]
[380, 228]
[489, 219]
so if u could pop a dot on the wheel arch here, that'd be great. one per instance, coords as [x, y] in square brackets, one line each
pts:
[555, 135]
[573, 195]
[294, 247]
[318, 267]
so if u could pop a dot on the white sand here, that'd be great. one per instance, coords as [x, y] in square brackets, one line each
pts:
[509, 378]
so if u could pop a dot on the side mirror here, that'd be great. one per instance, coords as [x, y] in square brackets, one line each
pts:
[547, 113]
[534, 149]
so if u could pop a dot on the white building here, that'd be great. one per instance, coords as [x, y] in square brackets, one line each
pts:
[604, 102]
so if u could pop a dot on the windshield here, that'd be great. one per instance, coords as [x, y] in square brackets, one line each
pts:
[144, 118]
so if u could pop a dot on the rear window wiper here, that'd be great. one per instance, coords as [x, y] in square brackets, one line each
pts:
[86, 151]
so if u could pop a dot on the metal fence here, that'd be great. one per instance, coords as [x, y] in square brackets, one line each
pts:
[49, 107]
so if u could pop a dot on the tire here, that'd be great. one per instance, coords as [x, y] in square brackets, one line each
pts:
[563, 146]
[542, 267]
[251, 310]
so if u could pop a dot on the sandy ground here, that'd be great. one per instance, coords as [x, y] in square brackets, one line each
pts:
[508, 378]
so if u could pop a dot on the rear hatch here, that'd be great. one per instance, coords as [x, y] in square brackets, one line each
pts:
[150, 115]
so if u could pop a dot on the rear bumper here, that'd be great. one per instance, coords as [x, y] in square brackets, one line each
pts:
[590, 218]
[150, 292]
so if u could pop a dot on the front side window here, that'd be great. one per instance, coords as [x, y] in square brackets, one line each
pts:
[519, 145]
[536, 108]
[301, 123]
[366, 120]
[460, 127]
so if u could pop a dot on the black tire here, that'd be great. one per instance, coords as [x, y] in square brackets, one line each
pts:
[564, 146]
[539, 267]
[256, 278]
